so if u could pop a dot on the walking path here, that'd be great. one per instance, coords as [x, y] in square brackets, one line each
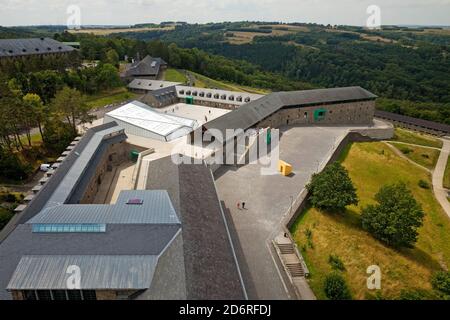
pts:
[438, 177]
[401, 155]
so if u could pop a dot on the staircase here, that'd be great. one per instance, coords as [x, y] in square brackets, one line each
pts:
[290, 259]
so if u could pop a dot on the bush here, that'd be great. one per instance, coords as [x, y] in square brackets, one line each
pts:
[5, 216]
[336, 288]
[423, 184]
[332, 189]
[12, 168]
[396, 217]
[406, 150]
[336, 262]
[8, 197]
[441, 281]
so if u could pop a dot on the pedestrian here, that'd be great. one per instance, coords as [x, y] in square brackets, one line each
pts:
[239, 205]
[243, 205]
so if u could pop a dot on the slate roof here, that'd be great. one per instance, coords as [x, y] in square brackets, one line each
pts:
[32, 46]
[444, 128]
[146, 67]
[255, 111]
[212, 271]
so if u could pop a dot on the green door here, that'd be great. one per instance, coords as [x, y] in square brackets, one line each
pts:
[319, 114]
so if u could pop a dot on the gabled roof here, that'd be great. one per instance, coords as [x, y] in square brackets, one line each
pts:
[24, 47]
[146, 67]
[98, 272]
[442, 127]
[155, 208]
[255, 111]
[212, 271]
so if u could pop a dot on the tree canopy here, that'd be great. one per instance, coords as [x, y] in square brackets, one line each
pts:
[396, 217]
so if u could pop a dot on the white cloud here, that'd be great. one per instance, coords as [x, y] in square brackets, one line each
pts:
[27, 12]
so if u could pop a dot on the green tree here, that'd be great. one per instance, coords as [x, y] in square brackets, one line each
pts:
[441, 281]
[108, 76]
[332, 189]
[35, 110]
[336, 288]
[396, 217]
[112, 57]
[70, 105]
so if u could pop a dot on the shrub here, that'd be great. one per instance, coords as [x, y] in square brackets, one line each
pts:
[441, 281]
[406, 150]
[423, 184]
[336, 262]
[5, 216]
[336, 288]
[396, 217]
[332, 189]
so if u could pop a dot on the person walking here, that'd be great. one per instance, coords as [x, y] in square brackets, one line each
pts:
[243, 205]
[239, 205]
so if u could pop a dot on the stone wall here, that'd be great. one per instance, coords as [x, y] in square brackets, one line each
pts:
[342, 113]
[116, 154]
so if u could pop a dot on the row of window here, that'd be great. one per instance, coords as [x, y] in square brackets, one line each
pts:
[59, 295]
[67, 227]
[216, 95]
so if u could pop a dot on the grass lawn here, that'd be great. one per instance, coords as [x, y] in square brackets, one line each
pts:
[447, 175]
[424, 156]
[174, 75]
[422, 139]
[370, 166]
[36, 139]
[109, 97]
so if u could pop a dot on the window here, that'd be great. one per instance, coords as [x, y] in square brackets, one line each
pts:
[135, 201]
[68, 228]
[29, 295]
[74, 295]
[59, 295]
[89, 295]
[44, 295]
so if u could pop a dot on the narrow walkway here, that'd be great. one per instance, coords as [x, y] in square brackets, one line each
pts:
[412, 144]
[438, 177]
[401, 155]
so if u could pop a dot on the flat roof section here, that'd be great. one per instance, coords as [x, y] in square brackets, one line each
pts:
[143, 117]
[150, 85]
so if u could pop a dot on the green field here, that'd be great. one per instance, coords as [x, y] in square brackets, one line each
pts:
[113, 96]
[422, 139]
[370, 166]
[174, 75]
[426, 157]
[447, 175]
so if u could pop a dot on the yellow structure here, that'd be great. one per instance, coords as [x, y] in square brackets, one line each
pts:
[284, 167]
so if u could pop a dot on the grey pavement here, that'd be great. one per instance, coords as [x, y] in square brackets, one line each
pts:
[438, 177]
[268, 199]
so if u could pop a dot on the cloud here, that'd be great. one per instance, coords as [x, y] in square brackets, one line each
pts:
[27, 12]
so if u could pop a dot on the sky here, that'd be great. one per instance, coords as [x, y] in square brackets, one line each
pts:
[129, 12]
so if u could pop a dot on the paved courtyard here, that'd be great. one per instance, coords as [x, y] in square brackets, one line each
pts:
[268, 199]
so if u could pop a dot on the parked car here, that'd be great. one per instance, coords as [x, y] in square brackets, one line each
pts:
[44, 167]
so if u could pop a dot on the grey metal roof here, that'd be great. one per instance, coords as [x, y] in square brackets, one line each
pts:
[253, 112]
[150, 85]
[119, 239]
[442, 127]
[155, 209]
[97, 272]
[74, 174]
[23, 47]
